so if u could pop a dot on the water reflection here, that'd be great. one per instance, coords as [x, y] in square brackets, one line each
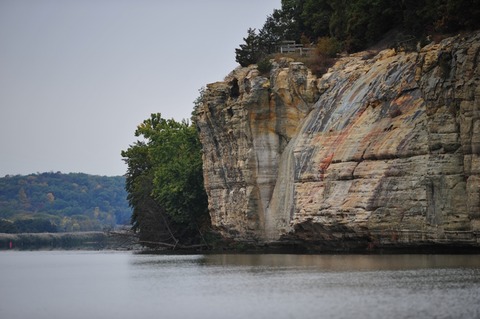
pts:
[312, 262]
[145, 260]
[78, 285]
[305, 286]
[343, 262]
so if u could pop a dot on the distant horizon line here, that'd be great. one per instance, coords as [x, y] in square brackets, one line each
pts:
[58, 172]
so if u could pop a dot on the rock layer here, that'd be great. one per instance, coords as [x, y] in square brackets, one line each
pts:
[379, 152]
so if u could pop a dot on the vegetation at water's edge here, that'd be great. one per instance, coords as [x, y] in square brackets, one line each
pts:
[29, 241]
[56, 202]
[352, 26]
[164, 182]
[93, 240]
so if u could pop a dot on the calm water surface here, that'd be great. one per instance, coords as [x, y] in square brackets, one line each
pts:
[126, 285]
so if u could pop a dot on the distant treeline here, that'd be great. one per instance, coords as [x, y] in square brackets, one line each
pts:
[56, 202]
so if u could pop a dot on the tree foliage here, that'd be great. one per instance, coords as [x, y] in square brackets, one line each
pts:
[358, 24]
[50, 202]
[164, 181]
[249, 52]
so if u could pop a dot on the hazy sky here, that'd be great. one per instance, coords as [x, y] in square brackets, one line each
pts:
[78, 76]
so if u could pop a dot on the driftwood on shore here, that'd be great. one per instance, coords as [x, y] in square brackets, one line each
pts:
[172, 246]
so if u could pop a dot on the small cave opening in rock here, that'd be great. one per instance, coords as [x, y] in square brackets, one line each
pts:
[234, 89]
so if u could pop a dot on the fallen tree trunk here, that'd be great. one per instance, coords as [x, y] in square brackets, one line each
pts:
[173, 246]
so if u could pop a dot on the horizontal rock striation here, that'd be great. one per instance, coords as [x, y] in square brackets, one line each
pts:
[380, 152]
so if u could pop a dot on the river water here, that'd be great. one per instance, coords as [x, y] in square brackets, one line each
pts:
[79, 284]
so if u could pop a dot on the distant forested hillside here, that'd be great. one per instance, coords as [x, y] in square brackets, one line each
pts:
[56, 202]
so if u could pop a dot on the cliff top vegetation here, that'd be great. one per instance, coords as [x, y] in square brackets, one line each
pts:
[332, 26]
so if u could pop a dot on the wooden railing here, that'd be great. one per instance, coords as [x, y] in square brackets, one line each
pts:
[292, 47]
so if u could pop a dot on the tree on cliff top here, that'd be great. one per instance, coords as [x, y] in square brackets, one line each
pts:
[357, 24]
[250, 52]
[164, 182]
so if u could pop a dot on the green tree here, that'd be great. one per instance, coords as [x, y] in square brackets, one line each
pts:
[291, 13]
[23, 198]
[450, 15]
[316, 15]
[250, 51]
[35, 226]
[279, 26]
[368, 20]
[165, 181]
[7, 226]
[147, 217]
[271, 33]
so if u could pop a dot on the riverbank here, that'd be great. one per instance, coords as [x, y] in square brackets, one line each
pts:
[94, 240]
[126, 240]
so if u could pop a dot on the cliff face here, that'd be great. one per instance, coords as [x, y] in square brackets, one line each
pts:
[379, 152]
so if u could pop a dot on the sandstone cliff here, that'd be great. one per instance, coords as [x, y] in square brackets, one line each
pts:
[379, 152]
